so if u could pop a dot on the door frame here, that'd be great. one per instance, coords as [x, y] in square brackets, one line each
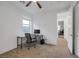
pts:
[74, 5]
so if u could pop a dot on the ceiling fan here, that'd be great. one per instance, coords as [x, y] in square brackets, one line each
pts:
[31, 2]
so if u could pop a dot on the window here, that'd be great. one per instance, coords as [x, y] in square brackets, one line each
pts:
[26, 26]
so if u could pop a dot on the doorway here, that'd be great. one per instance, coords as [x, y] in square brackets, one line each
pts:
[60, 28]
[65, 27]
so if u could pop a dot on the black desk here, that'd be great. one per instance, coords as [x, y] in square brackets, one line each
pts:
[20, 40]
[38, 37]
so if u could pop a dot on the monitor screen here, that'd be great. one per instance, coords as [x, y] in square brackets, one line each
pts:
[37, 31]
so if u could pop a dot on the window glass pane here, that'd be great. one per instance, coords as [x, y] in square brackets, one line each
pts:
[25, 26]
[25, 21]
[25, 29]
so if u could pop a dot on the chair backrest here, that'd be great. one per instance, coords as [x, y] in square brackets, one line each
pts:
[28, 36]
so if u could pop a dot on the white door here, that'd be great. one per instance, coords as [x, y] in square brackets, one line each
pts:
[69, 29]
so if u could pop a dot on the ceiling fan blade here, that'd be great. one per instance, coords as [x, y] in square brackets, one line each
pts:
[39, 4]
[22, 2]
[28, 3]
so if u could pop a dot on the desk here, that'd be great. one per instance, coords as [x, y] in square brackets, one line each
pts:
[19, 37]
[38, 37]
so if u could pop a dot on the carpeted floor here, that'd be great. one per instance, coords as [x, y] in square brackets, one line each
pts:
[41, 51]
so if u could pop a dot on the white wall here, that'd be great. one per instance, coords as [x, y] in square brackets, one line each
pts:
[10, 23]
[47, 23]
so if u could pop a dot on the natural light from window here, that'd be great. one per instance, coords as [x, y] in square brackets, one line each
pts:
[26, 26]
[25, 21]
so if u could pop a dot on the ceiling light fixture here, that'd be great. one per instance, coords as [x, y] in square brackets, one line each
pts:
[34, 0]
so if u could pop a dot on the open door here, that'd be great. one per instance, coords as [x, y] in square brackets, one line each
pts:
[68, 26]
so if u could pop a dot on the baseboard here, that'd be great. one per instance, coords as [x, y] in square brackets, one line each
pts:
[8, 50]
[50, 44]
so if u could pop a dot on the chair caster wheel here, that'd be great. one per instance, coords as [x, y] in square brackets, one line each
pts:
[34, 47]
[28, 48]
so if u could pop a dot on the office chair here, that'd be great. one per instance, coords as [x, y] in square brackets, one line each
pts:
[30, 41]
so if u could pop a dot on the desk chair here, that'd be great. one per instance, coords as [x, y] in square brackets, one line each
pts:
[30, 41]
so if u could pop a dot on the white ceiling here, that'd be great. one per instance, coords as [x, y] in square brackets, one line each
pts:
[46, 6]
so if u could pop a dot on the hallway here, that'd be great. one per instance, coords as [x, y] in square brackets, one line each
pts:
[42, 51]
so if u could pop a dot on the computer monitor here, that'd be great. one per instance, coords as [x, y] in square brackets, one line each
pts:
[37, 31]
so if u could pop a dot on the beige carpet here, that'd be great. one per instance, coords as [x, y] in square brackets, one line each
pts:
[41, 51]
